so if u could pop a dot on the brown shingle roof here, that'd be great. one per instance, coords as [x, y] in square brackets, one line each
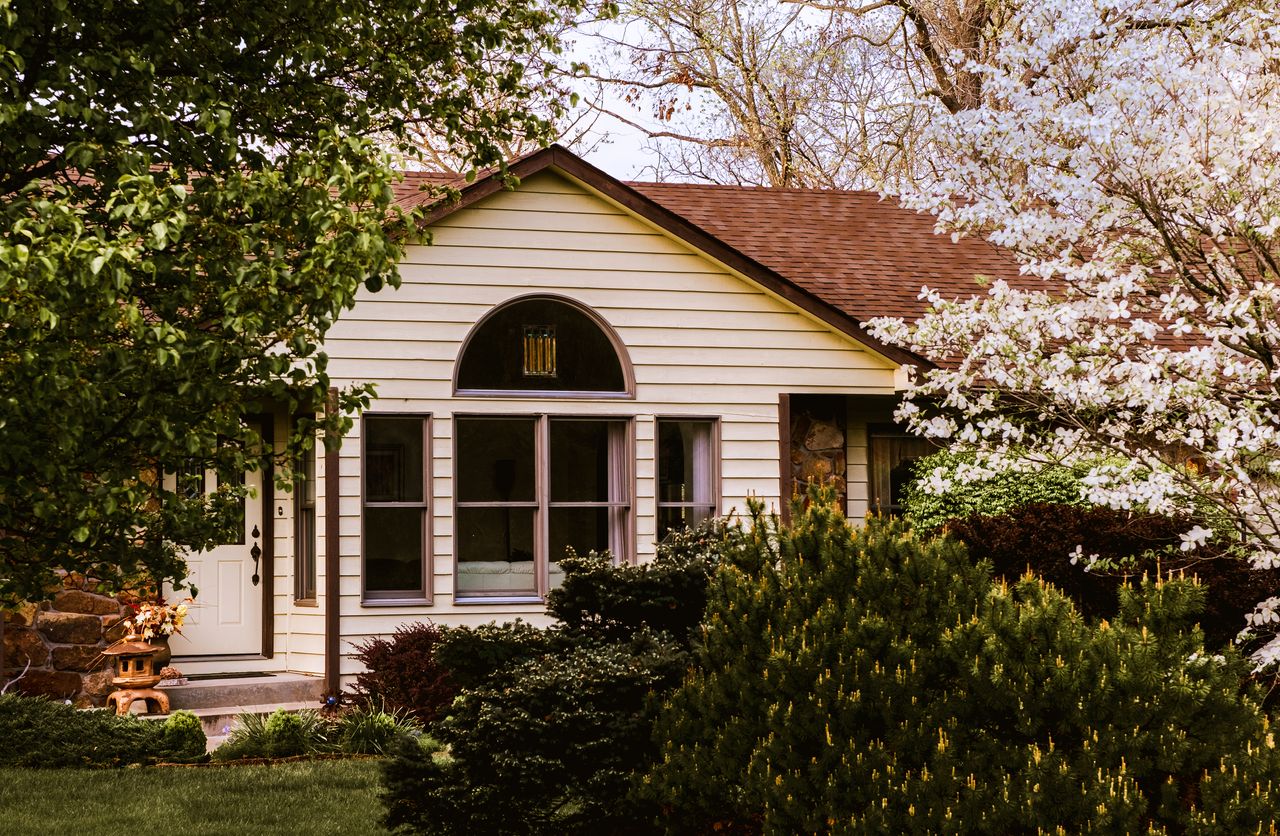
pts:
[866, 256]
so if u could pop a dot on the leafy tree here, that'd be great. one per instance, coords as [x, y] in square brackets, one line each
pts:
[1124, 153]
[189, 196]
[946, 489]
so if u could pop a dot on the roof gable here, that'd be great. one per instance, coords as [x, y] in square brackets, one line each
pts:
[842, 257]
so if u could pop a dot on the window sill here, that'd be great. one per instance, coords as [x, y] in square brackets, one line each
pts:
[306, 602]
[523, 599]
[395, 602]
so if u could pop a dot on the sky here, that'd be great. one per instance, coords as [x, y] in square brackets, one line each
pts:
[620, 151]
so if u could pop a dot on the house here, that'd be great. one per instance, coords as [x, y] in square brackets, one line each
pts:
[578, 362]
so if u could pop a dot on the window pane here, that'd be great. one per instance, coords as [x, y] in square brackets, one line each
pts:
[304, 558]
[496, 460]
[892, 458]
[393, 459]
[495, 551]
[684, 461]
[583, 529]
[580, 461]
[678, 519]
[393, 549]
[304, 532]
[537, 345]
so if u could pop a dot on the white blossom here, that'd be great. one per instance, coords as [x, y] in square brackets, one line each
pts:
[1127, 155]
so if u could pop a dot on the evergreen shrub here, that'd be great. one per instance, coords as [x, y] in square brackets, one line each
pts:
[547, 746]
[37, 732]
[183, 737]
[668, 593]
[470, 655]
[402, 674]
[859, 681]
[552, 726]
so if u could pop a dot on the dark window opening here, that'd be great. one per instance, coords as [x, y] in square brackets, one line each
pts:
[537, 345]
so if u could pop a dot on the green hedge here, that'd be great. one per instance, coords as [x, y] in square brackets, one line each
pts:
[37, 732]
[1004, 492]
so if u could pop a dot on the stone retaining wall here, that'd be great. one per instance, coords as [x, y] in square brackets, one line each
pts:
[62, 641]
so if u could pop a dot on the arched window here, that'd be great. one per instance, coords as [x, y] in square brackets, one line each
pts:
[543, 345]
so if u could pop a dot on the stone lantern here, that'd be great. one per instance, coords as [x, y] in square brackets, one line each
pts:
[136, 676]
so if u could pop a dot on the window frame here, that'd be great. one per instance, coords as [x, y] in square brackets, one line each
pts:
[542, 505]
[305, 572]
[398, 597]
[715, 469]
[619, 349]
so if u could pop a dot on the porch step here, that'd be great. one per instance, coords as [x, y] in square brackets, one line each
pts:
[233, 693]
[218, 703]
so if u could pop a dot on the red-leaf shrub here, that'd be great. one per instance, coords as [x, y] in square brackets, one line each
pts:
[1042, 536]
[402, 673]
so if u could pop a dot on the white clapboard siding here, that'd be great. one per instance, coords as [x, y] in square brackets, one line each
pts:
[702, 341]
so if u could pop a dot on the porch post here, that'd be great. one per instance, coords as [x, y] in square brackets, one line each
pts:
[784, 457]
[332, 570]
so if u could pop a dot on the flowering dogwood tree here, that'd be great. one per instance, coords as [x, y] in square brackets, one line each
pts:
[1127, 153]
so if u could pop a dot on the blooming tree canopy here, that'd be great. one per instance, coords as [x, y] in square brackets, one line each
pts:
[1127, 153]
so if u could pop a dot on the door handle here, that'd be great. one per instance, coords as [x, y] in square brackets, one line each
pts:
[256, 554]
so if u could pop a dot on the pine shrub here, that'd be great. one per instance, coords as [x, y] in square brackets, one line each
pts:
[1034, 522]
[886, 683]
[1040, 537]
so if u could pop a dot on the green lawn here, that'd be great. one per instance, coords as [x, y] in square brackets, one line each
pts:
[308, 797]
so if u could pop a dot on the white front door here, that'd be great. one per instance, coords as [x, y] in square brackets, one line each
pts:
[226, 617]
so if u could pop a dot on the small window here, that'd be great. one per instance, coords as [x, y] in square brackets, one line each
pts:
[892, 454]
[395, 506]
[528, 489]
[687, 479]
[304, 528]
[541, 345]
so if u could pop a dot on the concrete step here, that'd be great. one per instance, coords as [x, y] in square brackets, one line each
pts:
[278, 688]
[218, 703]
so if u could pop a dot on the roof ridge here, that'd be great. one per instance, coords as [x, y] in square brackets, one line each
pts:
[804, 190]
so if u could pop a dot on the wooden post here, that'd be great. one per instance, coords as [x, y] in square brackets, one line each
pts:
[332, 560]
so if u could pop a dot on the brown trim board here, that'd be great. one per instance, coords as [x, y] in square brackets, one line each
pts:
[268, 571]
[785, 488]
[332, 560]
